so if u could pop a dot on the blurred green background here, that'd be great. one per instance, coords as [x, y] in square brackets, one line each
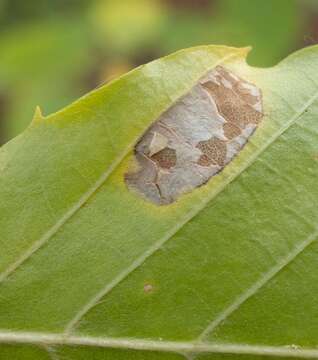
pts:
[54, 51]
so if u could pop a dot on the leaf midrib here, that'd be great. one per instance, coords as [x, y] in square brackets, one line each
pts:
[52, 339]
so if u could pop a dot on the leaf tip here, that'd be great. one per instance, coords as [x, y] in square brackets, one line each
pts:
[246, 50]
[38, 116]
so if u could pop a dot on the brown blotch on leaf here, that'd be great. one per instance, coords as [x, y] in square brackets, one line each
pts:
[235, 103]
[165, 158]
[196, 137]
[231, 130]
[214, 152]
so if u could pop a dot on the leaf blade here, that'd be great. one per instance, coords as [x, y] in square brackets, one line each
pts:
[119, 255]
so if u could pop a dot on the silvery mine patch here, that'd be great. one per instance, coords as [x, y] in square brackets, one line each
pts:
[196, 137]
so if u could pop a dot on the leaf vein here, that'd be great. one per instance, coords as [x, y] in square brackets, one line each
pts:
[259, 284]
[51, 339]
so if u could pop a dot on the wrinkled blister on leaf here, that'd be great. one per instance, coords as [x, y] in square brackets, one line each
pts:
[196, 137]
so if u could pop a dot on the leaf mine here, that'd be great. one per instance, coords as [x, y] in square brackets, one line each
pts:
[196, 137]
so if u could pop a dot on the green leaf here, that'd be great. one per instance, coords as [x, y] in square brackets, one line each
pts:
[91, 270]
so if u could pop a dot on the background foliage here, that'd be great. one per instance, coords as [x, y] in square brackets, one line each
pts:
[52, 52]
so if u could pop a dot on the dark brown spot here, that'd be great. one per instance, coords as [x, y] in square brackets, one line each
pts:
[228, 108]
[165, 158]
[235, 103]
[248, 115]
[231, 130]
[214, 152]
[148, 288]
